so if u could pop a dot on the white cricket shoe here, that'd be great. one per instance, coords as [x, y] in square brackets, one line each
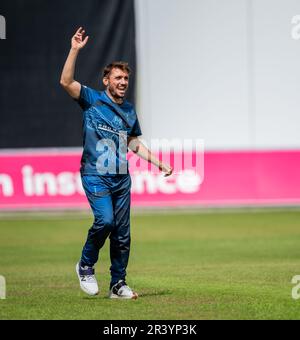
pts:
[121, 291]
[87, 279]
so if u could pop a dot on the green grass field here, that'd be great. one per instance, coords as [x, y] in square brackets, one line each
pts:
[184, 266]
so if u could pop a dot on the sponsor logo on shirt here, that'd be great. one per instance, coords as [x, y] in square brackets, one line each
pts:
[110, 129]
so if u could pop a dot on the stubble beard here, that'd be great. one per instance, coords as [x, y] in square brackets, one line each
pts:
[118, 99]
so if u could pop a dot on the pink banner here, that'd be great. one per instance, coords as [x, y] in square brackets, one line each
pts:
[51, 179]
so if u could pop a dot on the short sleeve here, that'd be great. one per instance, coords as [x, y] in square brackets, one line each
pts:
[87, 97]
[136, 130]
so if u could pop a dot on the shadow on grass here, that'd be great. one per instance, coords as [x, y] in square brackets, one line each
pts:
[156, 293]
[141, 295]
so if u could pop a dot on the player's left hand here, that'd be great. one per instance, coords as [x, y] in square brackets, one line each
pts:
[166, 169]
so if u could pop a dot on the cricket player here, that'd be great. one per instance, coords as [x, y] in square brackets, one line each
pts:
[110, 126]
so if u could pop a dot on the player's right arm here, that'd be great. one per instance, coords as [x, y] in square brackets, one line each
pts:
[67, 81]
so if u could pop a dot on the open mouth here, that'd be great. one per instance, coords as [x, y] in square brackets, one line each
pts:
[122, 90]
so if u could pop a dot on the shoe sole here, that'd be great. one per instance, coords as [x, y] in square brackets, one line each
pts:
[114, 296]
[82, 287]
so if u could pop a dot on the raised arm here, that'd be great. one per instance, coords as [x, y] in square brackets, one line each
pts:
[142, 151]
[67, 77]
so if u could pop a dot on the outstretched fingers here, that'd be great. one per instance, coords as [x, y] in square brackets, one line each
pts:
[85, 39]
[79, 33]
[79, 39]
[79, 30]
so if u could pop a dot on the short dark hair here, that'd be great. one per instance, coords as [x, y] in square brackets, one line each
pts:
[122, 65]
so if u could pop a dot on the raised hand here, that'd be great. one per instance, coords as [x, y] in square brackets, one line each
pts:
[78, 40]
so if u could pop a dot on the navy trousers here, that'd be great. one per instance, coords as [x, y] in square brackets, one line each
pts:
[109, 198]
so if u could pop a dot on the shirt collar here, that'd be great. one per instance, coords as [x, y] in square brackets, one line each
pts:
[105, 98]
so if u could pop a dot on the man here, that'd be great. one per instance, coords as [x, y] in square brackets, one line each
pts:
[110, 125]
